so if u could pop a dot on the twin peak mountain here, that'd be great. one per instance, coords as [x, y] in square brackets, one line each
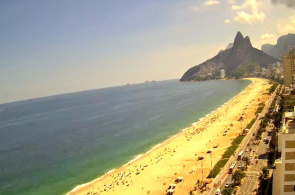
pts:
[239, 57]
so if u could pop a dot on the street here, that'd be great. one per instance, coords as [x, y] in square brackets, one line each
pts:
[257, 154]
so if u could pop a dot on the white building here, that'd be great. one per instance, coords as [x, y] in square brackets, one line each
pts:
[263, 71]
[222, 73]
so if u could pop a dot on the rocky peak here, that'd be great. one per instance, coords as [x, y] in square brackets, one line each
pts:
[247, 42]
[239, 39]
[241, 42]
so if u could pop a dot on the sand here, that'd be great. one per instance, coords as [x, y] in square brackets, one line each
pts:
[153, 172]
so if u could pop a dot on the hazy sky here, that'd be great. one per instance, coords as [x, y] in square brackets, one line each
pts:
[59, 46]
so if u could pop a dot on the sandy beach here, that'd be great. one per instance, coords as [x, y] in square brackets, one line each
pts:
[153, 172]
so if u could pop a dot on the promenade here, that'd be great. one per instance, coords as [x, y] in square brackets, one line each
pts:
[223, 175]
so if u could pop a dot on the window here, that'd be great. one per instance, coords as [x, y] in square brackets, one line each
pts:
[289, 177]
[290, 144]
[289, 166]
[288, 188]
[289, 155]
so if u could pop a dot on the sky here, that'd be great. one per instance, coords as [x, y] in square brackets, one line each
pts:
[61, 46]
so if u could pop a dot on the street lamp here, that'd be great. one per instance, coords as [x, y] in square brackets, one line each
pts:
[241, 125]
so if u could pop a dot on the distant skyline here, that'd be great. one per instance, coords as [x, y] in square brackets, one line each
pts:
[61, 46]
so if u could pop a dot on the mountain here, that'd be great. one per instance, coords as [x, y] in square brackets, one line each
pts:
[239, 57]
[266, 48]
[284, 45]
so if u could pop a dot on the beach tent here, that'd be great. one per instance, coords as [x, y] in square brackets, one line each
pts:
[172, 186]
[171, 191]
[178, 179]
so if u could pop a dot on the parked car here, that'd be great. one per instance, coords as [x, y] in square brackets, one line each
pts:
[217, 191]
[226, 185]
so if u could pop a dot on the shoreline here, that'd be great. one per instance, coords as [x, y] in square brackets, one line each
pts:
[180, 133]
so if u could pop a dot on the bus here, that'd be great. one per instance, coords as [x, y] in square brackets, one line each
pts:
[240, 155]
[232, 167]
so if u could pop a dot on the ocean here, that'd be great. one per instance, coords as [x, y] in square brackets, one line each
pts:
[50, 145]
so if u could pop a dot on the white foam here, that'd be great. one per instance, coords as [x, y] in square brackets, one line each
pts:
[131, 161]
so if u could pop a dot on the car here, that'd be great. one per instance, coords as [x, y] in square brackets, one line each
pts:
[240, 166]
[251, 157]
[217, 191]
[246, 150]
[226, 185]
[209, 151]
[200, 157]
[253, 150]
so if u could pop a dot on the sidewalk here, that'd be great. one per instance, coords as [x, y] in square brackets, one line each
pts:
[223, 174]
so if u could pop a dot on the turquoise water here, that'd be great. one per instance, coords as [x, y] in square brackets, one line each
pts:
[50, 145]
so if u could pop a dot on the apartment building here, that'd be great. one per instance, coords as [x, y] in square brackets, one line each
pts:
[284, 173]
[289, 68]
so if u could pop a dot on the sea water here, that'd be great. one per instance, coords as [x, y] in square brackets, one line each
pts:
[50, 145]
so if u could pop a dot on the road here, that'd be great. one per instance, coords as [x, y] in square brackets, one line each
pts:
[250, 182]
[223, 176]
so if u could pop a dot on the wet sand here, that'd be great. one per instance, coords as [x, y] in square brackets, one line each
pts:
[153, 172]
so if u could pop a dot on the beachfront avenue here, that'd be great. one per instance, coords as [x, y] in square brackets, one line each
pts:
[251, 151]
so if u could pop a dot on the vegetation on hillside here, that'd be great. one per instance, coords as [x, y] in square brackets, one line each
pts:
[245, 70]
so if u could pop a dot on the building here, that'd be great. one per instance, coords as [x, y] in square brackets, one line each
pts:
[284, 173]
[270, 71]
[263, 71]
[222, 73]
[289, 67]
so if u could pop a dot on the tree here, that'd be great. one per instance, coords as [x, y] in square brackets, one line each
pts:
[227, 191]
[265, 172]
[238, 176]
[247, 160]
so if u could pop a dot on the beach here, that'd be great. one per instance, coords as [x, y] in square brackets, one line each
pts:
[154, 171]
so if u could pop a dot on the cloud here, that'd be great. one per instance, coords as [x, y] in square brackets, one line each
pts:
[231, 1]
[227, 21]
[248, 12]
[288, 3]
[267, 36]
[211, 2]
[286, 27]
[195, 8]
